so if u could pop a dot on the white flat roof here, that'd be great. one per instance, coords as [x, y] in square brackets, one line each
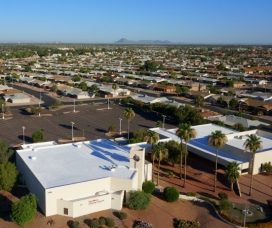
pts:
[234, 139]
[58, 165]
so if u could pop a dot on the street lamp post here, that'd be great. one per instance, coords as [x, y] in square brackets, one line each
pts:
[72, 130]
[74, 105]
[163, 120]
[3, 115]
[40, 103]
[23, 135]
[120, 126]
[108, 103]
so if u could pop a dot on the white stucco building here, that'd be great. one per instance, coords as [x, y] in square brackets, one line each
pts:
[232, 151]
[76, 179]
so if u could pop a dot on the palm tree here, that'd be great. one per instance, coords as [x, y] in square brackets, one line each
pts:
[199, 101]
[114, 87]
[160, 153]
[232, 173]
[151, 138]
[186, 133]
[129, 114]
[252, 143]
[217, 139]
[179, 134]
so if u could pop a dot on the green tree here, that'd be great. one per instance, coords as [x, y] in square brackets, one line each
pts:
[112, 128]
[233, 103]
[188, 114]
[54, 88]
[199, 101]
[24, 210]
[149, 66]
[230, 83]
[232, 173]
[160, 153]
[217, 139]
[114, 87]
[5, 153]
[129, 114]
[186, 133]
[83, 86]
[94, 88]
[173, 152]
[28, 69]
[151, 138]
[77, 78]
[37, 136]
[8, 176]
[221, 66]
[239, 127]
[220, 101]
[252, 144]
[219, 123]
[159, 123]
[139, 200]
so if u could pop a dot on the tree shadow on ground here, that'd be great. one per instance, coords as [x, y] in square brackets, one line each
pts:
[158, 195]
[68, 126]
[27, 138]
[101, 130]
[208, 195]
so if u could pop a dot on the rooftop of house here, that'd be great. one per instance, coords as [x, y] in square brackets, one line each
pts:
[230, 120]
[57, 165]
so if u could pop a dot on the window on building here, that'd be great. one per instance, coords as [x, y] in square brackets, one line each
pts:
[65, 211]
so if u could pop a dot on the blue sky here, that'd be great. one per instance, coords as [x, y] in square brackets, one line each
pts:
[106, 21]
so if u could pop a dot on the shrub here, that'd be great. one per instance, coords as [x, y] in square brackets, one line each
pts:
[24, 210]
[139, 200]
[171, 194]
[94, 223]
[148, 187]
[75, 224]
[269, 202]
[181, 223]
[112, 128]
[121, 215]
[191, 194]
[223, 195]
[102, 221]
[142, 224]
[37, 136]
[170, 174]
[110, 222]
[224, 205]
[267, 167]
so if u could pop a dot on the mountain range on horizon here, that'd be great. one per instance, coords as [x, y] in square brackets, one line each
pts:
[126, 41]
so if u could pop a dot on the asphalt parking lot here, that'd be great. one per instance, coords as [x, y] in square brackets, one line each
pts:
[90, 121]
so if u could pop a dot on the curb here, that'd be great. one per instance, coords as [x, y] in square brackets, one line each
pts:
[193, 198]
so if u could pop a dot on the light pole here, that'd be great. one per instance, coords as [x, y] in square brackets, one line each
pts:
[74, 105]
[83, 133]
[163, 120]
[3, 115]
[108, 103]
[72, 130]
[40, 103]
[23, 135]
[120, 126]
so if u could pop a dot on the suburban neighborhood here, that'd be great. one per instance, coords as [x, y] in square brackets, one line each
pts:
[135, 135]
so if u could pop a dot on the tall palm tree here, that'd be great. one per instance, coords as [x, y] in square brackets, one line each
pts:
[179, 134]
[199, 101]
[186, 133]
[252, 143]
[232, 173]
[151, 138]
[129, 114]
[160, 153]
[114, 87]
[217, 139]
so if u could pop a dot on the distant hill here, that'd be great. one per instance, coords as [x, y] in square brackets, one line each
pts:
[125, 41]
